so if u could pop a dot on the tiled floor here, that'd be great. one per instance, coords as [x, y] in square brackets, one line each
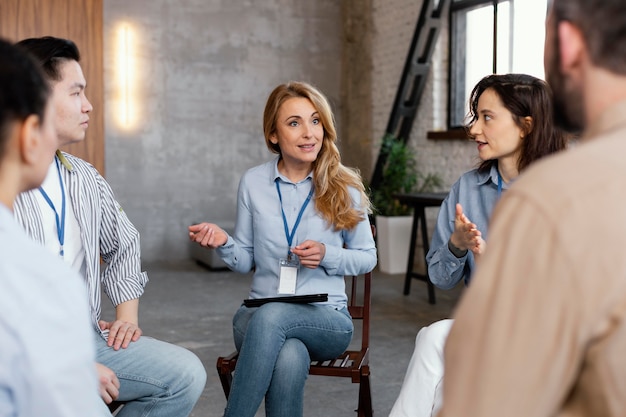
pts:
[191, 306]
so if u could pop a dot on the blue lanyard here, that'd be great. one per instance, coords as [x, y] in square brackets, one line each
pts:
[61, 222]
[295, 226]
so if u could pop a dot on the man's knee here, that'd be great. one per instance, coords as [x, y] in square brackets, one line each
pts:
[196, 370]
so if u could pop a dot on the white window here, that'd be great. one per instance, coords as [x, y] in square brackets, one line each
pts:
[492, 37]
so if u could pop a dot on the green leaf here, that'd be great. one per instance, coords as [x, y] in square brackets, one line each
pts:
[400, 175]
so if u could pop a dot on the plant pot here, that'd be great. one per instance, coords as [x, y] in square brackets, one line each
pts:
[393, 236]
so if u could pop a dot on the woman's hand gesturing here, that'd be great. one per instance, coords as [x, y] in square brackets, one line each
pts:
[207, 234]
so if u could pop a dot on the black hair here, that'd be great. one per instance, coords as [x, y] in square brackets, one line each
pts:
[51, 52]
[523, 95]
[23, 89]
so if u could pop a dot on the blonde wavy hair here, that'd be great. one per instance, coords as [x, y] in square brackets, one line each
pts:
[331, 178]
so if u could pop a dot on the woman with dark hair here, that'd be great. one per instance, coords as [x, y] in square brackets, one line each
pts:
[74, 214]
[47, 360]
[511, 121]
[294, 248]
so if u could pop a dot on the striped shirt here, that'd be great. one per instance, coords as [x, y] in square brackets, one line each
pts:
[106, 233]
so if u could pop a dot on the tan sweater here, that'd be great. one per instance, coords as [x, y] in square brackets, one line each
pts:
[541, 330]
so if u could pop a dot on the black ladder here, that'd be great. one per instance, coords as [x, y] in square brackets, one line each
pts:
[413, 77]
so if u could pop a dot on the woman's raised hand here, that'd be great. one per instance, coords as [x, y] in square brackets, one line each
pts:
[466, 236]
[207, 234]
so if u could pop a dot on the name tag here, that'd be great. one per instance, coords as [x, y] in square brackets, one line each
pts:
[288, 276]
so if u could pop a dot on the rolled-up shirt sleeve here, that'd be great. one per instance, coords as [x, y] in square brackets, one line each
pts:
[445, 270]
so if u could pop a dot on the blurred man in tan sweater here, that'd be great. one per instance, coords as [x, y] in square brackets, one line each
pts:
[542, 329]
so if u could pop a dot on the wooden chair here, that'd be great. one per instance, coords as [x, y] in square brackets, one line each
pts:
[353, 364]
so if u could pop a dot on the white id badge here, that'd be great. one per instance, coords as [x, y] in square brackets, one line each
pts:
[288, 276]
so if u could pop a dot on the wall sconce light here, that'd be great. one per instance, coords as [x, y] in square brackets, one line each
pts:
[126, 79]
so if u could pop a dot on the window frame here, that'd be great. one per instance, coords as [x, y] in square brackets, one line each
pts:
[455, 7]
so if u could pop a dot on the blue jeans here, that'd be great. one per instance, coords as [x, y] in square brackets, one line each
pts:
[157, 379]
[276, 343]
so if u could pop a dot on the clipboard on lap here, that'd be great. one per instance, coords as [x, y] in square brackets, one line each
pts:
[300, 299]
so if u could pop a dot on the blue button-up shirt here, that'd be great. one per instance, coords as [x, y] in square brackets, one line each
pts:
[477, 192]
[47, 356]
[260, 242]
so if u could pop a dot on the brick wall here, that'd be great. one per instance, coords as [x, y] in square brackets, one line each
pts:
[393, 25]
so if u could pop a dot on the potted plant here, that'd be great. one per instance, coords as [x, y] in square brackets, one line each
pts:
[393, 220]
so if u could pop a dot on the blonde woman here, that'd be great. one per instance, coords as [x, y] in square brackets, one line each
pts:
[301, 225]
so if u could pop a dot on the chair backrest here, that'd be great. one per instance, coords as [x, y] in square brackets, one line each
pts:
[361, 310]
[359, 306]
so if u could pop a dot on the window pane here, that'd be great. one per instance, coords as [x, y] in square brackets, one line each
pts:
[528, 36]
[519, 47]
[504, 58]
[472, 59]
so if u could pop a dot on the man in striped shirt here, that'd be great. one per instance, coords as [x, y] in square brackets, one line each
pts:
[75, 215]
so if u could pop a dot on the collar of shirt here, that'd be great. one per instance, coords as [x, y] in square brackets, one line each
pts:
[64, 161]
[492, 174]
[274, 174]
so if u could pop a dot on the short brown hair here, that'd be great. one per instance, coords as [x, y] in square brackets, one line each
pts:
[603, 25]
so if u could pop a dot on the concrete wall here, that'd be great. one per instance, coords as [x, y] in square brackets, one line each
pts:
[205, 70]
[357, 136]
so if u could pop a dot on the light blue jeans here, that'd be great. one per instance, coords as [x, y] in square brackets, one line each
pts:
[276, 343]
[157, 379]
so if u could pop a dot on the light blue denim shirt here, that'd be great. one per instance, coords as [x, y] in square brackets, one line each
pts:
[478, 193]
[260, 242]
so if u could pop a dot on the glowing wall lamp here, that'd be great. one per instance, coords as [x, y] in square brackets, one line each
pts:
[126, 77]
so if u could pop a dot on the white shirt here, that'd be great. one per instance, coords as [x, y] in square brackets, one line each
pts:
[74, 253]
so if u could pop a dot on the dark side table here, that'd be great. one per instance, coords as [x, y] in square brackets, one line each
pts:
[419, 202]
